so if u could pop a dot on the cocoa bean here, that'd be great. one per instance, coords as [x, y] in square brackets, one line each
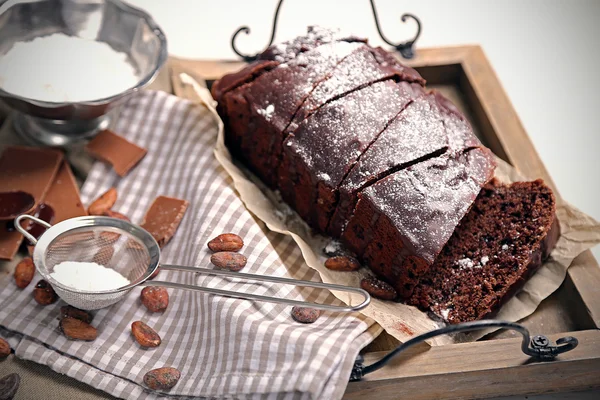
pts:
[226, 242]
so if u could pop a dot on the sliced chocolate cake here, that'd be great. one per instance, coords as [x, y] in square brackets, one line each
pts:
[277, 54]
[403, 221]
[416, 134]
[503, 240]
[268, 103]
[318, 155]
[363, 67]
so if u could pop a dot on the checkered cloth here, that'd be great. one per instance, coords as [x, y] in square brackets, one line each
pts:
[224, 348]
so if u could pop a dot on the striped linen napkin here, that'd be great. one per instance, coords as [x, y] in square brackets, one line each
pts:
[224, 348]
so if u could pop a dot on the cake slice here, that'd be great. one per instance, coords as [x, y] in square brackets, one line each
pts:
[363, 67]
[403, 221]
[318, 155]
[498, 245]
[258, 112]
[427, 128]
[416, 134]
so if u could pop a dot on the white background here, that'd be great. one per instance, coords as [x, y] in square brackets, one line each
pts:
[546, 54]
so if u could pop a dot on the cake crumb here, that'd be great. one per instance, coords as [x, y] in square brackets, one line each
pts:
[465, 263]
[267, 112]
[323, 176]
[445, 312]
[333, 248]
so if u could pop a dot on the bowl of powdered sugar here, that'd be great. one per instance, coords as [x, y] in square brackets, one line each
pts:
[65, 65]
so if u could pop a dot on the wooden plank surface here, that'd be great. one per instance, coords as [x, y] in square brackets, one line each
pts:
[494, 368]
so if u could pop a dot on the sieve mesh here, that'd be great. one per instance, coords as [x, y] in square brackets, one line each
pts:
[122, 248]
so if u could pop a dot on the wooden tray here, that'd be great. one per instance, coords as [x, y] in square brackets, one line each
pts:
[495, 366]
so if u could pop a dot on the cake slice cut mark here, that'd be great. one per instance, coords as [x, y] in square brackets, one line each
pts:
[324, 148]
[502, 241]
[417, 134]
[379, 177]
[276, 55]
[337, 188]
[364, 67]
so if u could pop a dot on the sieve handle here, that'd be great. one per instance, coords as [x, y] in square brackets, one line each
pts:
[24, 232]
[262, 278]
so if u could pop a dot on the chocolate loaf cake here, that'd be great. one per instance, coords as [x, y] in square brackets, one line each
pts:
[502, 241]
[318, 155]
[403, 221]
[361, 151]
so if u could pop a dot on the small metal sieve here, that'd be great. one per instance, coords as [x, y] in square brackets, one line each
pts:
[133, 252]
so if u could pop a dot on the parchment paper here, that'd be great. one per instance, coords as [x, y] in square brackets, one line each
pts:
[579, 232]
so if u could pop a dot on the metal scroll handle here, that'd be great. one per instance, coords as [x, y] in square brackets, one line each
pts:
[404, 48]
[539, 347]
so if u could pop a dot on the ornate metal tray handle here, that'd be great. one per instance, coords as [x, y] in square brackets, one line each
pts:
[405, 49]
[539, 348]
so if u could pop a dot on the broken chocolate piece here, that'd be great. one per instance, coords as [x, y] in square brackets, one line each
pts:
[13, 204]
[163, 217]
[27, 169]
[63, 196]
[111, 148]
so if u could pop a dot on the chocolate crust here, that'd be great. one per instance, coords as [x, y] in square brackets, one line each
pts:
[247, 74]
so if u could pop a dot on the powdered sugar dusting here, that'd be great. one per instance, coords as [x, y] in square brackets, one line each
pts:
[315, 36]
[445, 313]
[425, 202]
[323, 176]
[286, 88]
[333, 248]
[267, 112]
[332, 139]
[416, 132]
